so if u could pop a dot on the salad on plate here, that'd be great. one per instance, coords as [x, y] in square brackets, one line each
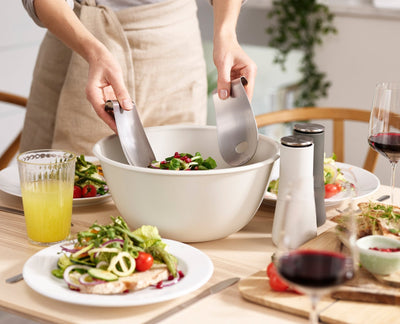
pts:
[112, 259]
[89, 179]
[334, 179]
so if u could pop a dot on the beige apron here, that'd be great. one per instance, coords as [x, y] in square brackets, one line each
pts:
[160, 51]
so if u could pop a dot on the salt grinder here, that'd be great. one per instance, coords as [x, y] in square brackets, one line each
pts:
[317, 133]
[295, 181]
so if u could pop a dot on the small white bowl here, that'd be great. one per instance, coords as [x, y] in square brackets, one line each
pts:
[188, 206]
[379, 262]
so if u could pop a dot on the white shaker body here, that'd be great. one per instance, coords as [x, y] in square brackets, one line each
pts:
[296, 183]
[317, 133]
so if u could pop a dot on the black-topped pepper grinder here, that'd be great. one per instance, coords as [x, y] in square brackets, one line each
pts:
[317, 133]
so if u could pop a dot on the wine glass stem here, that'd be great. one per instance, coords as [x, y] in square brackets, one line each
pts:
[313, 312]
[393, 165]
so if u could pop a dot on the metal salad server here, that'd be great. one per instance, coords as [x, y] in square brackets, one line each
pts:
[132, 136]
[236, 126]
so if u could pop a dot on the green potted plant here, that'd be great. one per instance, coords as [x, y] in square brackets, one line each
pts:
[301, 25]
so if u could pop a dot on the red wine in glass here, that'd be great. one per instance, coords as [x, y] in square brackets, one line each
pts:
[384, 130]
[318, 268]
[387, 144]
[315, 270]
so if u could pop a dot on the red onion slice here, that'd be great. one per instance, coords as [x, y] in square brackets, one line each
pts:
[83, 279]
[68, 270]
[101, 264]
[112, 241]
[64, 248]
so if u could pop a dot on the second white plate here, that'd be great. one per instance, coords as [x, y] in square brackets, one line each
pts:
[9, 183]
[367, 183]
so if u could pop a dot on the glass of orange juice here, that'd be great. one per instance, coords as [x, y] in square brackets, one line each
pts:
[47, 184]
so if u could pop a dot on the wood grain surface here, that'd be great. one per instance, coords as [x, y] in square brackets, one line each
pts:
[361, 300]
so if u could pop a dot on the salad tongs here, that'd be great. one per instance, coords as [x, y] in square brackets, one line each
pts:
[236, 125]
[134, 142]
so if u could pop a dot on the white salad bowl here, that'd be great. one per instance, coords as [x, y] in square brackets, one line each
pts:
[188, 206]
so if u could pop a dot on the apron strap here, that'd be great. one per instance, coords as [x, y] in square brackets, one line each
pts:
[74, 111]
[167, 46]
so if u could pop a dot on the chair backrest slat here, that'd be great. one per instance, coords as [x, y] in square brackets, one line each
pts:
[13, 148]
[337, 115]
[338, 139]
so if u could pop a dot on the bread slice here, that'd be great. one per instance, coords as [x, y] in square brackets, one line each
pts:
[136, 281]
[375, 219]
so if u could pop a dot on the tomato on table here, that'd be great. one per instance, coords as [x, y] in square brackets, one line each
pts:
[275, 281]
[332, 189]
[89, 191]
[271, 269]
[144, 261]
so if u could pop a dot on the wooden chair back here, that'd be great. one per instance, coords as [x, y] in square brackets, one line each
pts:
[338, 116]
[13, 148]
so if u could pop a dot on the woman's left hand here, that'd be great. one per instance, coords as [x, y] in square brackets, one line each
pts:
[229, 58]
[232, 62]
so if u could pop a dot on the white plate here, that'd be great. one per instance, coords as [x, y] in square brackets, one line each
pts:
[9, 183]
[196, 266]
[91, 200]
[367, 183]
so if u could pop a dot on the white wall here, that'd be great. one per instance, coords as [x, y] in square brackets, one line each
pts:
[19, 39]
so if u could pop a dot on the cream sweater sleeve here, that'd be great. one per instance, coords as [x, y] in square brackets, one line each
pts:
[30, 8]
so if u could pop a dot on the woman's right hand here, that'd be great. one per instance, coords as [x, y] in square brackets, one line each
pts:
[105, 78]
[106, 82]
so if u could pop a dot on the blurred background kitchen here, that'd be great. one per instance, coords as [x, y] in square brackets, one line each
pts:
[364, 51]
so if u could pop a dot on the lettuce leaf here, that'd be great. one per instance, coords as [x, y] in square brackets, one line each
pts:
[149, 236]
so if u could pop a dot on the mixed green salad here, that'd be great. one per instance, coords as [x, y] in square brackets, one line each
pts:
[106, 253]
[89, 180]
[333, 178]
[185, 161]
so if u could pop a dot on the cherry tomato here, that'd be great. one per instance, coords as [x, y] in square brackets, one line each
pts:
[89, 191]
[77, 192]
[271, 269]
[332, 189]
[144, 261]
[275, 282]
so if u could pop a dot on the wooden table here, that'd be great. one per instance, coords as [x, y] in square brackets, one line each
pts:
[241, 254]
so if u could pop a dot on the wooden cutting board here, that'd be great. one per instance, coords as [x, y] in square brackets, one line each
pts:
[368, 288]
[362, 300]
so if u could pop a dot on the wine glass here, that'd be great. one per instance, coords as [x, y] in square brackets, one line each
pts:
[320, 265]
[384, 125]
